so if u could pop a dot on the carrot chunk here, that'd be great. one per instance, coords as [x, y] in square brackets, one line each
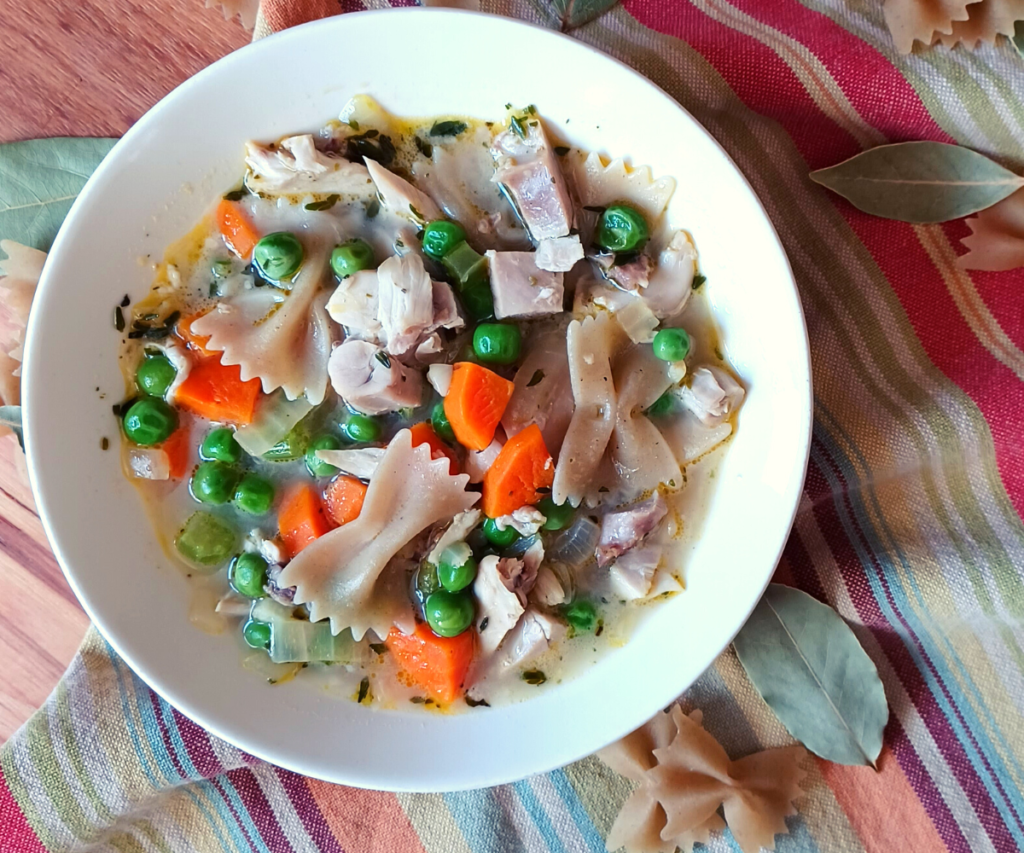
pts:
[475, 403]
[423, 433]
[301, 518]
[177, 449]
[437, 664]
[522, 469]
[196, 342]
[237, 231]
[344, 498]
[216, 391]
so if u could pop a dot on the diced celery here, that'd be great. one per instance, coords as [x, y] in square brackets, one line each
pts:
[206, 540]
[465, 265]
[275, 417]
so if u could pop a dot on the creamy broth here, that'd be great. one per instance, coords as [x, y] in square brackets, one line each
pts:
[581, 609]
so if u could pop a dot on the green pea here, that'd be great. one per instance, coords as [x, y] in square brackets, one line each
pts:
[581, 615]
[256, 634]
[439, 421]
[317, 467]
[440, 237]
[149, 421]
[621, 229]
[671, 344]
[558, 515]
[499, 538]
[254, 494]
[361, 428]
[457, 568]
[155, 375]
[662, 406]
[214, 482]
[427, 581]
[448, 613]
[278, 255]
[206, 540]
[220, 444]
[478, 300]
[351, 257]
[249, 574]
[497, 343]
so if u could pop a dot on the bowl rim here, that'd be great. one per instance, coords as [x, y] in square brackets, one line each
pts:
[122, 646]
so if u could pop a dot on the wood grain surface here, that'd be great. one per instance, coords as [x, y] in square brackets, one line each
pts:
[74, 68]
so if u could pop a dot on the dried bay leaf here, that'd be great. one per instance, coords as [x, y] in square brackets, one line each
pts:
[39, 181]
[570, 14]
[809, 667]
[919, 182]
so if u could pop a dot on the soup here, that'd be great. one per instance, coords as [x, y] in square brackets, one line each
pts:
[427, 410]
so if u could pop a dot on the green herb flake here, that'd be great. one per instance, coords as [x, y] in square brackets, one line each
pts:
[534, 676]
[125, 302]
[325, 204]
[383, 358]
[424, 147]
[508, 106]
[477, 703]
[416, 214]
[562, 150]
[364, 691]
[537, 377]
[378, 648]
[372, 208]
[517, 127]
[698, 280]
[718, 354]
[418, 700]
[118, 318]
[236, 194]
[104, 443]
[447, 128]
[353, 124]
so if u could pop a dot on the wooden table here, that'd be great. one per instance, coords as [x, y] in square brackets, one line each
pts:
[78, 68]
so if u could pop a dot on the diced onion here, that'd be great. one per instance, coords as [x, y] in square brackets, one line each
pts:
[575, 547]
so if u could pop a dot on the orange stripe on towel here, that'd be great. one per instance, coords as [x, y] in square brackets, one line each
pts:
[367, 821]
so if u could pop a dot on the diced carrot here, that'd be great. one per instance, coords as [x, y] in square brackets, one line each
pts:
[216, 391]
[196, 342]
[423, 433]
[522, 469]
[437, 664]
[475, 402]
[344, 498]
[177, 449]
[236, 229]
[301, 518]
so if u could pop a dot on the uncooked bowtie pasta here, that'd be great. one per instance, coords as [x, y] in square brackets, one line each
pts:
[427, 409]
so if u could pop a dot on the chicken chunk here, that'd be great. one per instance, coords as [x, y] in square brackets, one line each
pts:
[713, 395]
[559, 254]
[478, 461]
[623, 530]
[401, 196]
[295, 167]
[528, 169]
[370, 382]
[532, 636]
[526, 520]
[521, 288]
[405, 302]
[632, 573]
[548, 590]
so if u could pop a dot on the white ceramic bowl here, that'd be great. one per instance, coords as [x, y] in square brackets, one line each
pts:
[157, 182]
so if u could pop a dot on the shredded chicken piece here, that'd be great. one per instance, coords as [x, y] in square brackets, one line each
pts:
[712, 395]
[671, 283]
[548, 590]
[401, 196]
[534, 634]
[461, 526]
[632, 574]
[623, 530]
[526, 520]
[559, 254]
[295, 167]
[339, 576]
[498, 608]
[405, 302]
[370, 381]
[360, 462]
[478, 461]
[440, 377]
[354, 306]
